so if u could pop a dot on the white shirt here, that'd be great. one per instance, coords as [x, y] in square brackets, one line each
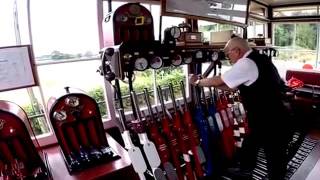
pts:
[244, 71]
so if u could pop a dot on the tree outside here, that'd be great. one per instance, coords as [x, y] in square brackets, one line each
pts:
[296, 42]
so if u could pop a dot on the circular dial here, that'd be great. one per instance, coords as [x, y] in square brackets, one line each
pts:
[199, 55]
[175, 32]
[156, 62]
[141, 64]
[135, 9]
[214, 56]
[60, 115]
[187, 59]
[122, 18]
[72, 101]
[177, 60]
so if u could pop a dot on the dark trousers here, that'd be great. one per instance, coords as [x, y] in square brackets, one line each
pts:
[275, 142]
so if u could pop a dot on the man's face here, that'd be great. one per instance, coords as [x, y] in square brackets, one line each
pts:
[233, 54]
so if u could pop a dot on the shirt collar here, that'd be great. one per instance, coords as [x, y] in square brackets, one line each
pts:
[246, 54]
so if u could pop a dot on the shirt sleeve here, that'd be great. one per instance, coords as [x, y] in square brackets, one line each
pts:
[245, 71]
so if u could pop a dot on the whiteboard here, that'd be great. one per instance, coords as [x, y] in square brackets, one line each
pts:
[224, 11]
[17, 67]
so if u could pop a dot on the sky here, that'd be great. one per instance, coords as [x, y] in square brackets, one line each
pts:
[71, 22]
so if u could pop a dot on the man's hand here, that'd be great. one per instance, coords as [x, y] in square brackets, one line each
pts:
[193, 78]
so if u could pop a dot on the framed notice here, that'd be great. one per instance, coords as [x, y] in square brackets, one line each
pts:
[233, 12]
[17, 67]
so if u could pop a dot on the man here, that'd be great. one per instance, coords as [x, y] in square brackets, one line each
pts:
[261, 90]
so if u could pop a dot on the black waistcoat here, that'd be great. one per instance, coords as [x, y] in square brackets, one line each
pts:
[263, 98]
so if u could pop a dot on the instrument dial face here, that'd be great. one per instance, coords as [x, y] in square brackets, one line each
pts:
[127, 56]
[156, 62]
[60, 115]
[134, 9]
[72, 101]
[187, 59]
[214, 56]
[141, 64]
[175, 32]
[177, 60]
[199, 55]
[122, 18]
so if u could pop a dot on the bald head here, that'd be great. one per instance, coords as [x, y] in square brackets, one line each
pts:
[235, 49]
[237, 42]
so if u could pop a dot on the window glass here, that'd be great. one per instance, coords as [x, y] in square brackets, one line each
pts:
[7, 35]
[257, 9]
[7, 30]
[64, 29]
[15, 31]
[141, 80]
[80, 76]
[30, 102]
[256, 29]
[172, 75]
[207, 27]
[297, 45]
[295, 11]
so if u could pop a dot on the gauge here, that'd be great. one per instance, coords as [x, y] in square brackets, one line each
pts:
[60, 115]
[156, 62]
[141, 64]
[122, 18]
[127, 56]
[187, 59]
[135, 9]
[214, 56]
[199, 55]
[175, 32]
[177, 60]
[72, 101]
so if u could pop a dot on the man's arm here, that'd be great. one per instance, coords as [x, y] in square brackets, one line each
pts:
[215, 81]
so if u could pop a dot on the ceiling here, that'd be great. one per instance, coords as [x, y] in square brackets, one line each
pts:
[286, 2]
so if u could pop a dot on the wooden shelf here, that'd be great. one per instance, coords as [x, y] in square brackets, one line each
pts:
[120, 168]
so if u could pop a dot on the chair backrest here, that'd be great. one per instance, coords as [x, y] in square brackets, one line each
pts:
[310, 77]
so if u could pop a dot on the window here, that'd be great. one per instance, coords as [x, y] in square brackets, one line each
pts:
[66, 43]
[258, 10]
[64, 29]
[7, 30]
[15, 31]
[256, 29]
[297, 44]
[207, 27]
[296, 11]
[28, 100]
[55, 77]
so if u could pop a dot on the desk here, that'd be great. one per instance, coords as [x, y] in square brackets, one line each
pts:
[119, 168]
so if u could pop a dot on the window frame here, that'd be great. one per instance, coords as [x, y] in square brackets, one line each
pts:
[255, 21]
[49, 138]
[317, 60]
